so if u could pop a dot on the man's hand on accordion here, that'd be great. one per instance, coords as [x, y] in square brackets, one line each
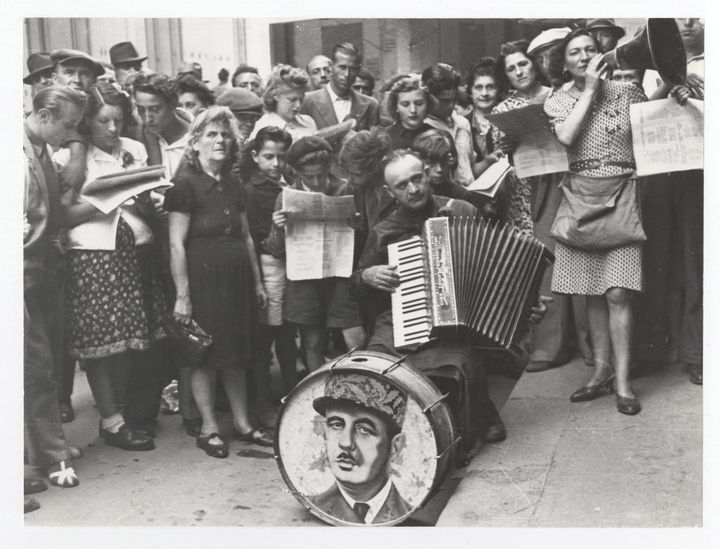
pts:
[538, 312]
[381, 277]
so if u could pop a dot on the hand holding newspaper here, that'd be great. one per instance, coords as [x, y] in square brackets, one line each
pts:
[109, 191]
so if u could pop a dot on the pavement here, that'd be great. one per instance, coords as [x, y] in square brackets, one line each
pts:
[562, 465]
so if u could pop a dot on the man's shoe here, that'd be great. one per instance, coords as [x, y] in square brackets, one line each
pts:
[695, 373]
[496, 432]
[33, 486]
[125, 439]
[542, 365]
[628, 406]
[30, 504]
[67, 414]
[192, 426]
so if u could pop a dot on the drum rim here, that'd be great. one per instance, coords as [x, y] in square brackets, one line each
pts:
[448, 457]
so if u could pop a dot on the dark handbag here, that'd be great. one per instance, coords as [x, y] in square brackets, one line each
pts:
[192, 340]
[598, 213]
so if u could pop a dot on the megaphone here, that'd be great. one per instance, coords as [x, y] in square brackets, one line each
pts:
[657, 45]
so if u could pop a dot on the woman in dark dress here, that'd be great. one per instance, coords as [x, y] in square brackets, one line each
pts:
[215, 270]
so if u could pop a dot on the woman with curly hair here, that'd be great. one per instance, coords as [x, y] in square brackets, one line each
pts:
[282, 99]
[114, 292]
[407, 103]
[216, 273]
[484, 92]
[193, 95]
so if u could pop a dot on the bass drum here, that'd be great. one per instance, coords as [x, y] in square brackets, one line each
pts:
[416, 470]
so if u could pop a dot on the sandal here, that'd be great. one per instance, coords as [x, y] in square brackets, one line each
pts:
[63, 475]
[255, 436]
[213, 450]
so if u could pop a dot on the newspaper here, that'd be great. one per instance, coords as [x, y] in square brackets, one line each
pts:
[109, 199]
[539, 151]
[489, 181]
[667, 137]
[319, 243]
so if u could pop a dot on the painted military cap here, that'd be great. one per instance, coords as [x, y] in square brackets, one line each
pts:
[366, 390]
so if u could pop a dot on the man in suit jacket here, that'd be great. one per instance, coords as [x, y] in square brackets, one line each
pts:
[337, 101]
[363, 432]
[56, 113]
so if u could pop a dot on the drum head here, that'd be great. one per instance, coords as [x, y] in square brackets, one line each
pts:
[302, 448]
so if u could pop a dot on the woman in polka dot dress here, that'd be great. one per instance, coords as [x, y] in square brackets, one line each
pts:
[591, 117]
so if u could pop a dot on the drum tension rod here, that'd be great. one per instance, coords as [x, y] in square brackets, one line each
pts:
[393, 365]
[438, 401]
[445, 451]
[341, 357]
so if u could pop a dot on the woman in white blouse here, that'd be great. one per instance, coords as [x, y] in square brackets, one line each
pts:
[114, 294]
[283, 98]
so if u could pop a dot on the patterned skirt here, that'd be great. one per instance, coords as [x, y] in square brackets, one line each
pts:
[114, 298]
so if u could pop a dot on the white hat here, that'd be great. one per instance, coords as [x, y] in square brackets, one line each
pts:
[547, 38]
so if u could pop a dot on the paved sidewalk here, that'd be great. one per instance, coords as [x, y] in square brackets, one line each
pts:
[585, 464]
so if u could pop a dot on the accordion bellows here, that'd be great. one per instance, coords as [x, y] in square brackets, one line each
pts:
[466, 277]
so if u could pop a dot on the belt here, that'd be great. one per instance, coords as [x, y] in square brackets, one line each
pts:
[596, 163]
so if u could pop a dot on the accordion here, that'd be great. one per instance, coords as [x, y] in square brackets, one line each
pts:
[466, 277]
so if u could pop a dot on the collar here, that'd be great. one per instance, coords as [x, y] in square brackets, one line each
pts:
[438, 124]
[179, 144]
[259, 179]
[275, 119]
[335, 97]
[375, 503]
[698, 57]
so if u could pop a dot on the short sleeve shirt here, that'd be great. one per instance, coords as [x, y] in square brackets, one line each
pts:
[216, 207]
[606, 133]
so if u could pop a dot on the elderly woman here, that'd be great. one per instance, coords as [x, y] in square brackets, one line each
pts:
[283, 98]
[407, 103]
[215, 271]
[114, 293]
[591, 117]
[521, 80]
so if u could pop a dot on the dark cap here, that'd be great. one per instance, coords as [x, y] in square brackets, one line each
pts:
[369, 391]
[124, 52]
[305, 146]
[37, 63]
[65, 55]
[187, 67]
[240, 100]
[609, 24]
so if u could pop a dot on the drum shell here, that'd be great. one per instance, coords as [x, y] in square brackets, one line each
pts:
[430, 431]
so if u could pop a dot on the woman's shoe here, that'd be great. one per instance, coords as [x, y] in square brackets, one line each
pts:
[213, 450]
[125, 439]
[591, 392]
[192, 426]
[628, 406]
[255, 436]
[63, 475]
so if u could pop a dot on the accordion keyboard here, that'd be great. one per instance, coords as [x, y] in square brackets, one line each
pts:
[410, 304]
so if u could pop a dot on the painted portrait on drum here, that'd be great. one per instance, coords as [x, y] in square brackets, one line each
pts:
[355, 447]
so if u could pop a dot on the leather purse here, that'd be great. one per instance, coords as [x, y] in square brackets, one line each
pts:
[192, 340]
[598, 213]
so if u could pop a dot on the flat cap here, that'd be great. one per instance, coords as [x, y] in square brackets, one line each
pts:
[65, 55]
[547, 38]
[304, 147]
[240, 100]
[367, 390]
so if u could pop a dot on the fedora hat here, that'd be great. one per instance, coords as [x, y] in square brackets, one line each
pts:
[597, 24]
[37, 63]
[65, 55]
[124, 52]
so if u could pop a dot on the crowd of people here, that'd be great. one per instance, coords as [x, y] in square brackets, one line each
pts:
[100, 288]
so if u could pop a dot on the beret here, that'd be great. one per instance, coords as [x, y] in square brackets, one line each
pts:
[240, 100]
[305, 146]
[366, 390]
[547, 38]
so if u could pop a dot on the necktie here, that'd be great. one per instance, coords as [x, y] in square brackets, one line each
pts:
[361, 509]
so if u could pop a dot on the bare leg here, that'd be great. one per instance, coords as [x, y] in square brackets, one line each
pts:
[202, 383]
[235, 383]
[355, 337]
[597, 315]
[313, 339]
[620, 328]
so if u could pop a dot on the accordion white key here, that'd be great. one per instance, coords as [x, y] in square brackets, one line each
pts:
[466, 277]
